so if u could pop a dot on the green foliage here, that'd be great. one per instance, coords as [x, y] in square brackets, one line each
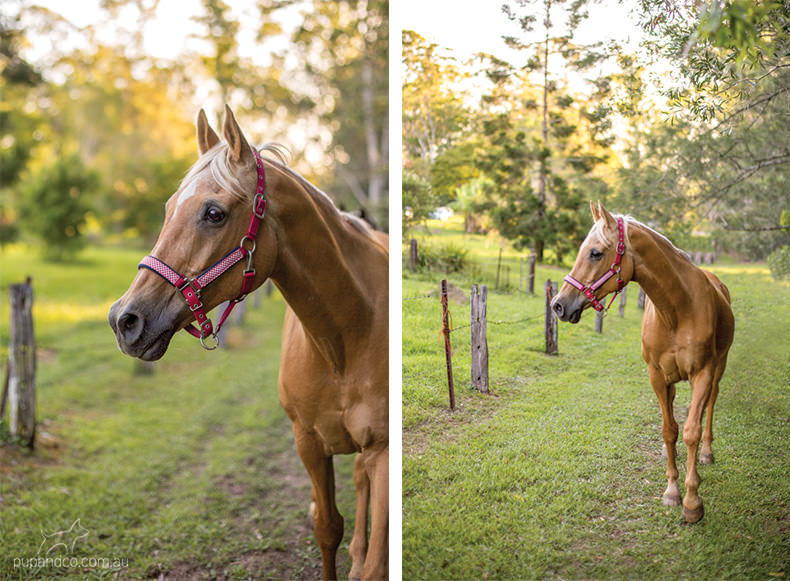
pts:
[447, 258]
[418, 200]
[56, 201]
[779, 263]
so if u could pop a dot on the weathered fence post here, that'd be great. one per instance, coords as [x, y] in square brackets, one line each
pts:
[498, 268]
[621, 307]
[599, 321]
[478, 305]
[448, 352]
[413, 254]
[640, 302]
[520, 276]
[22, 365]
[532, 272]
[551, 320]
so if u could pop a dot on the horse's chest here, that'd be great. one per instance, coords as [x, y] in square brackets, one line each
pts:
[676, 353]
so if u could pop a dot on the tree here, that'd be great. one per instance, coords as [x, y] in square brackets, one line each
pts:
[55, 206]
[418, 201]
[730, 93]
[552, 47]
[434, 114]
[341, 78]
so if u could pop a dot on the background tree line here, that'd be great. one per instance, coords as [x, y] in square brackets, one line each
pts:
[95, 135]
[700, 152]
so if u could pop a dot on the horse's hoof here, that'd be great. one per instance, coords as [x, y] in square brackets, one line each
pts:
[692, 516]
[671, 499]
[706, 458]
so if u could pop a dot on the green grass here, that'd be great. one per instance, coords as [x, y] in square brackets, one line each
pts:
[191, 472]
[559, 475]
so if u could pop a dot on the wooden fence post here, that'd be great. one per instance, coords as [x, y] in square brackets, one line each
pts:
[551, 320]
[413, 254]
[22, 365]
[520, 276]
[640, 302]
[478, 305]
[621, 307]
[532, 272]
[498, 267]
[599, 321]
[447, 347]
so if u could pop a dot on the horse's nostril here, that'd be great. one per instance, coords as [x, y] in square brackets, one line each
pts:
[130, 326]
[558, 308]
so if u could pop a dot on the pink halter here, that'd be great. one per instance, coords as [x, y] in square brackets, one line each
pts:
[589, 290]
[190, 289]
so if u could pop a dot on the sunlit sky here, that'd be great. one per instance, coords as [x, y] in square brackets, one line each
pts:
[466, 28]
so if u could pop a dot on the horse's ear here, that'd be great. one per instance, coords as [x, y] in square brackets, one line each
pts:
[206, 137]
[238, 148]
[594, 210]
[610, 224]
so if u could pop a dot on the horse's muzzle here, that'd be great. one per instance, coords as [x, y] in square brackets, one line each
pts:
[137, 332]
[568, 308]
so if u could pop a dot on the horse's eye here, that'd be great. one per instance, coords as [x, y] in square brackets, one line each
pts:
[596, 254]
[214, 215]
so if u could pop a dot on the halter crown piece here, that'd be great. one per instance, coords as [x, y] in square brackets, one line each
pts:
[191, 288]
[589, 290]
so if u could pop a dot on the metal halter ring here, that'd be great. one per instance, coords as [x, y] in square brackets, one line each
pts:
[254, 244]
[210, 347]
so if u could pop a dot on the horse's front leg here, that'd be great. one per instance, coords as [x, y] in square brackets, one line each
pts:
[666, 396]
[359, 543]
[377, 467]
[327, 522]
[701, 387]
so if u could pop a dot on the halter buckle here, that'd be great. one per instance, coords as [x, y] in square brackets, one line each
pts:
[259, 200]
[621, 247]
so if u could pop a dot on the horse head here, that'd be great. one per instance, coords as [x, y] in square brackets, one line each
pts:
[206, 217]
[602, 266]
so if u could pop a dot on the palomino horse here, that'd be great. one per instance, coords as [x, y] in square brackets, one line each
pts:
[332, 271]
[687, 328]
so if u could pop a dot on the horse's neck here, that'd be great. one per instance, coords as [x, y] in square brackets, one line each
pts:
[316, 274]
[662, 273]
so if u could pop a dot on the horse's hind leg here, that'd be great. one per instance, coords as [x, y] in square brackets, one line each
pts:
[359, 543]
[669, 430]
[328, 524]
[706, 454]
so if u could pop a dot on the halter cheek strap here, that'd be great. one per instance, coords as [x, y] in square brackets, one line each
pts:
[190, 288]
[589, 290]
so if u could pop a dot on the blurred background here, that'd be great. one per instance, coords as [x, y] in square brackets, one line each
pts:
[99, 100]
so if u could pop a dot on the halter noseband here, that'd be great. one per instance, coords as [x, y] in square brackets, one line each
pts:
[589, 290]
[191, 288]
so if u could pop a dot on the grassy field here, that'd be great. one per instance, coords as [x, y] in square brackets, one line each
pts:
[188, 473]
[559, 474]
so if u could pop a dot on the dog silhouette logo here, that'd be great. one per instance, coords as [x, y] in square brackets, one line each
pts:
[64, 540]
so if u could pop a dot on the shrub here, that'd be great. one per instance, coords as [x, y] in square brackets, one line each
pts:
[55, 204]
[445, 258]
[779, 263]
